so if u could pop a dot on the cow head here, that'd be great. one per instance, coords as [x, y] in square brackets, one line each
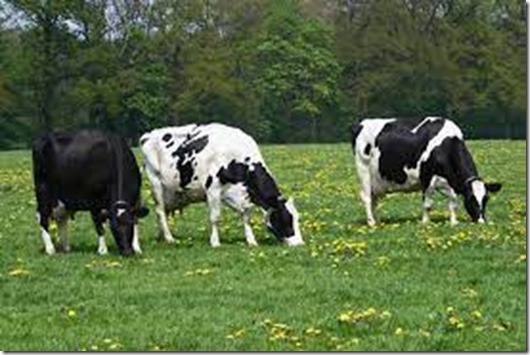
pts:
[122, 218]
[283, 222]
[476, 197]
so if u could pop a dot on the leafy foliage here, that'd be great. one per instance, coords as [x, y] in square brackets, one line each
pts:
[289, 71]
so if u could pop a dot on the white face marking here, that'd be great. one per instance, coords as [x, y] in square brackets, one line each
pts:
[296, 239]
[120, 211]
[479, 192]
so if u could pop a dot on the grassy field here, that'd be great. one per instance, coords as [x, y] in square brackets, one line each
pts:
[399, 286]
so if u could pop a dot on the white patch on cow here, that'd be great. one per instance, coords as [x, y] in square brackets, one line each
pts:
[295, 239]
[48, 244]
[102, 246]
[120, 212]
[479, 192]
[37, 216]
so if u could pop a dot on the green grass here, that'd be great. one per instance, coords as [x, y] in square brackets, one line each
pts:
[400, 286]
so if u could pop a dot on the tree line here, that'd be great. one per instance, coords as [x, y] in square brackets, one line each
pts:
[286, 71]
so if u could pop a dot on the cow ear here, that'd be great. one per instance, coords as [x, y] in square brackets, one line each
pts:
[141, 212]
[493, 186]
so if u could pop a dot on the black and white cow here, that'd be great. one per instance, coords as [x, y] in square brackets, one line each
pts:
[88, 171]
[411, 155]
[215, 163]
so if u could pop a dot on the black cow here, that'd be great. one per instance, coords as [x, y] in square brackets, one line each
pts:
[91, 171]
[411, 155]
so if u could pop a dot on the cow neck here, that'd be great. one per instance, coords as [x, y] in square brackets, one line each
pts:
[463, 167]
[263, 189]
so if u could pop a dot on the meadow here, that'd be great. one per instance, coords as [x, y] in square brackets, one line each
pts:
[398, 286]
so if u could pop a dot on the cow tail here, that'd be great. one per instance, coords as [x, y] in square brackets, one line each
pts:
[355, 130]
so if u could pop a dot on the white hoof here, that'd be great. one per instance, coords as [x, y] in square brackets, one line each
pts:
[50, 250]
[102, 250]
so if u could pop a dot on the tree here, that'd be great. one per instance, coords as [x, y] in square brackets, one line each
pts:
[295, 71]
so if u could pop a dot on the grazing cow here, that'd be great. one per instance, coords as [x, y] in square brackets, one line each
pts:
[411, 155]
[88, 171]
[215, 163]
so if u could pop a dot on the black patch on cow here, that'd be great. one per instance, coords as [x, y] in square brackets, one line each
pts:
[209, 181]
[263, 190]
[193, 134]
[186, 157]
[144, 140]
[247, 159]
[367, 149]
[166, 137]
[170, 144]
[401, 148]
[234, 173]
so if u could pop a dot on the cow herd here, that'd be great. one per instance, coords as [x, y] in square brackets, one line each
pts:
[97, 172]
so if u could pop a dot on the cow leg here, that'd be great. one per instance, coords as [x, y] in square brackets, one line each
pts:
[136, 241]
[214, 204]
[98, 223]
[43, 220]
[427, 199]
[62, 227]
[237, 197]
[158, 191]
[61, 216]
[366, 192]
[452, 200]
[369, 204]
[427, 205]
[453, 205]
[249, 234]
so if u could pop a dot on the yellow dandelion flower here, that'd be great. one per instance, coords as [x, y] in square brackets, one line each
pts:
[476, 313]
[344, 317]
[71, 313]
[425, 333]
[385, 314]
[399, 331]
[18, 272]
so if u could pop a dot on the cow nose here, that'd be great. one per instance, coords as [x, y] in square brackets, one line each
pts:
[294, 241]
